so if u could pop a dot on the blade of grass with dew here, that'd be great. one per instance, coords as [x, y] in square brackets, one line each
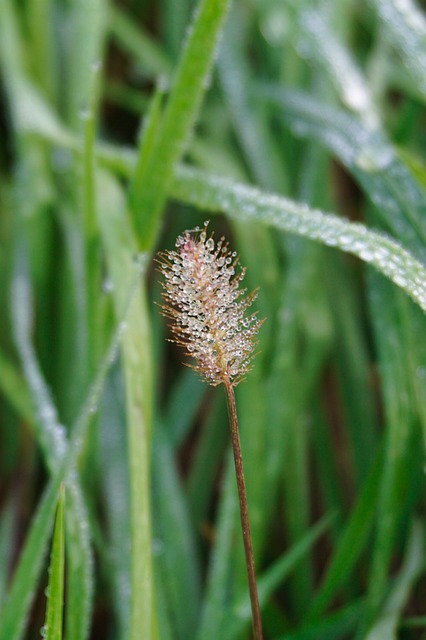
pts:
[404, 25]
[121, 249]
[367, 154]
[178, 555]
[386, 625]
[272, 578]
[88, 23]
[52, 629]
[202, 190]
[243, 202]
[15, 609]
[21, 592]
[327, 53]
[178, 118]
[352, 541]
[52, 439]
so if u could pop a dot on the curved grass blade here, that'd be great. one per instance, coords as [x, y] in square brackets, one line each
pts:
[368, 155]
[52, 629]
[212, 193]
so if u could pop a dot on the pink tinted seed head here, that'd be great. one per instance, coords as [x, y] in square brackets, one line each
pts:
[207, 308]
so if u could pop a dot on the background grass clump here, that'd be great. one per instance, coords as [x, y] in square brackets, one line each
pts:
[121, 125]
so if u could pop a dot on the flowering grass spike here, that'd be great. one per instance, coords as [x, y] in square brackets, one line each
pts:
[208, 316]
[207, 308]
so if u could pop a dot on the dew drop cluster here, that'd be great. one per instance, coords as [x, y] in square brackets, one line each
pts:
[207, 307]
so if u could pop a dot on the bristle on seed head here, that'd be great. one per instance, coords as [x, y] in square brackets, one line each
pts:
[207, 308]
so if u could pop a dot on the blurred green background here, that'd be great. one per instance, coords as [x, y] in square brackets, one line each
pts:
[121, 125]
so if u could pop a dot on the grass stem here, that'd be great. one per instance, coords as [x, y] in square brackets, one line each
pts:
[245, 522]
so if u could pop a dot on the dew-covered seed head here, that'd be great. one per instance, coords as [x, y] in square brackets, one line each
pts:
[207, 308]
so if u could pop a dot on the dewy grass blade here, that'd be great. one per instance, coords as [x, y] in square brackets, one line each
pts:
[213, 193]
[120, 248]
[15, 609]
[52, 629]
[51, 436]
[397, 21]
[178, 118]
[367, 153]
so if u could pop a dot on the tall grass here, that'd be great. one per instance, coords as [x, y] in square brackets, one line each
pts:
[298, 130]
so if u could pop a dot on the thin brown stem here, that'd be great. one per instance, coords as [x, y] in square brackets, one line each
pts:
[245, 523]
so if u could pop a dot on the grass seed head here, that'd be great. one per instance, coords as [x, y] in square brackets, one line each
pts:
[207, 308]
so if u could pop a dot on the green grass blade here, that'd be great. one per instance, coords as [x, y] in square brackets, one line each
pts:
[400, 422]
[143, 49]
[52, 438]
[115, 497]
[14, 612]
[397, 21]
[272, 578]
[369, 156]
[6, 537]
[217, 593]
[212, 193]
[50, 433]
[179, 556]
[352, 541]
[13, 388]
[21, 592]
[336, 626]
[88, 22]
[386, 625]
[120, 247]
[52, 629]
[178, 119]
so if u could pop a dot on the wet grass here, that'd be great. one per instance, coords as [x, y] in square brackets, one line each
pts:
[298, 130]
